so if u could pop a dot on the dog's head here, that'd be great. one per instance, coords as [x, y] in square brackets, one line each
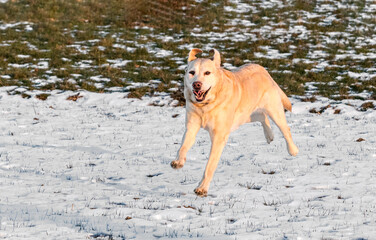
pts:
[201, 77]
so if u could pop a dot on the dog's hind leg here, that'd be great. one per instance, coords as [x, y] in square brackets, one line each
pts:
[276, 111]
[261, 117]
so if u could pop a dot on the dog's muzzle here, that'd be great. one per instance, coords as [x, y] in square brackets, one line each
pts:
[200, 94]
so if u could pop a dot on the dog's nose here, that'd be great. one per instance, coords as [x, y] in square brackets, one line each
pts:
[197, 85]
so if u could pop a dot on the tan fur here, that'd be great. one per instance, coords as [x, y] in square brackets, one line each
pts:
[192, 54]
[285, 101]
[247, 94]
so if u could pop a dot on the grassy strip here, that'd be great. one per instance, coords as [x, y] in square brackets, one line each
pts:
[68, 44]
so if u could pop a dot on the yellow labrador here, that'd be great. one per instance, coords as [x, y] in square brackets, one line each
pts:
[220, 101]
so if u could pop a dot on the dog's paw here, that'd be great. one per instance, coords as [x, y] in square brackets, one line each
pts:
[201, 192]
[176, 164]
[293, 150]
[269, 139]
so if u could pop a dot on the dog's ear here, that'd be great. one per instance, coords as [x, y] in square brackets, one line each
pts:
[192, 54]
[216, 57]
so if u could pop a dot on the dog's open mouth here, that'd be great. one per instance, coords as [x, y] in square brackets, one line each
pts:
[200, 95]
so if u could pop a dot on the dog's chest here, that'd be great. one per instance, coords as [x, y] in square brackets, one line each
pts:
[212, 120]
[218, 119]
[206, 121]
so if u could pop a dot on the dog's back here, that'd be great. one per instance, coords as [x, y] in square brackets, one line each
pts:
[245, 72]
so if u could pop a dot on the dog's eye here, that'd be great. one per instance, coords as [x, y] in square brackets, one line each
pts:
[192, 72]
[207, 73]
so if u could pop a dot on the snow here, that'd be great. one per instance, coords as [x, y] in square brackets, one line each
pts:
[23, 56]
[5, 26]
[271, 53]
[83, 64]
[118, 62]
[100, 79]
[99, 168]
[5, 76]
[40, 65]
[129, 49]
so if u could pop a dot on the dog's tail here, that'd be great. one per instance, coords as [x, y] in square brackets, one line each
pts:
[285, 100]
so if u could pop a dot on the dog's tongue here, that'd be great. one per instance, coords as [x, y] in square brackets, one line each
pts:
[199, 94]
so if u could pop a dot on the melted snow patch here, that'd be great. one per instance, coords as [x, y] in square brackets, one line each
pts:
[118, 62]
[5, 26]
[163, 53]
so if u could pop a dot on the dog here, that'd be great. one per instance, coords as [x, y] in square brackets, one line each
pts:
[220, 101]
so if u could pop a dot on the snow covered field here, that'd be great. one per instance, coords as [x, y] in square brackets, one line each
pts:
[98, 168]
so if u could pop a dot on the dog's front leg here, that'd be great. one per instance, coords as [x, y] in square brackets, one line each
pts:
[218, 143]
[192, 128]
